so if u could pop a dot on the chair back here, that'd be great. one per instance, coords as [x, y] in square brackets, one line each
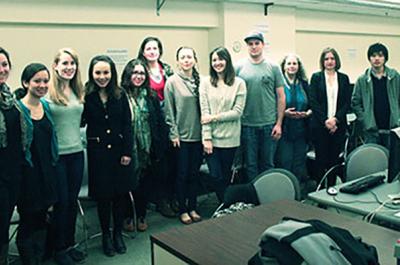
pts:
[240, 193]
[276, 184]
[365, 160]
[84, 191]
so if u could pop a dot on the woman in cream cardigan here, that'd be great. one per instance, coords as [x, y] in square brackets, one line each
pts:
[222, 100]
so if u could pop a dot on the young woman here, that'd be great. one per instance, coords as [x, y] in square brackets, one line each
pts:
[292, 148]
[11, 154]
[149, 131]
[38, 189]
[66, 105]
[109, 137]
[150, 52]
[330, 97]
[222, 99]
[182, 113]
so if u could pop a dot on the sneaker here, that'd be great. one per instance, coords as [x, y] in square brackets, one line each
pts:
[61, 258]
[142, 225]
[128, 225]
[76, 254]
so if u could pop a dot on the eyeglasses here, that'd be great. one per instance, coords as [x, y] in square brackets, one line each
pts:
[138, 73]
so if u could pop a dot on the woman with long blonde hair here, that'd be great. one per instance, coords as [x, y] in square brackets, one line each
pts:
[66, 105]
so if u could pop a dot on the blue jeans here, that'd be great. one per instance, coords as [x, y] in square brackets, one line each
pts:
[292, 156]
[220, 165]
[189, 158]
[258, 148]
[69, 179]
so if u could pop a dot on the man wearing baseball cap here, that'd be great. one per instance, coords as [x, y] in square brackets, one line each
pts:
[264, 109]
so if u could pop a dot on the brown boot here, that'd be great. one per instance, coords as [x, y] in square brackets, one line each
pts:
[141, 224]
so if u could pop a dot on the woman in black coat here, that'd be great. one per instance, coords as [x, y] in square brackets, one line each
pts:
[109, 137]
[330, 96]
[150, 134]
[10, 154]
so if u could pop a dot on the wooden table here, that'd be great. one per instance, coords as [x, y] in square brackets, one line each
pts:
[234, 239]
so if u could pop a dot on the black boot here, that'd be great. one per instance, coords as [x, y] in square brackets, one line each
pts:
[39, 238]
[4, 254]
[165, 209]
[62, 258]
[119, 244]
[25, 250]
[108, 248]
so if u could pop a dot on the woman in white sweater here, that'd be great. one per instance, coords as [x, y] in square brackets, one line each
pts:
[222, 100]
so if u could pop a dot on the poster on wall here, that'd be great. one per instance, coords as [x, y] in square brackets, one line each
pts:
[119, 56]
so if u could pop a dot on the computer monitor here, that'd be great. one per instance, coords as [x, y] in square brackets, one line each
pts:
[394, 154]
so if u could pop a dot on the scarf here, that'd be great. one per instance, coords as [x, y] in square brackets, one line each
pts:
[141, 127]
[190, 84]
[7, 101]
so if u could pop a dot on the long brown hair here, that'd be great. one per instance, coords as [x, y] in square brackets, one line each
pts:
[229, 71]
[112, 89]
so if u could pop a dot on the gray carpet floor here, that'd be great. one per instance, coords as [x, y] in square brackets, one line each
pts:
[139, 250]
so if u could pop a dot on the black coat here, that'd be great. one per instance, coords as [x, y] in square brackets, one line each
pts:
[11, 157]
[109, 137]
[319, 102]
[158, 127]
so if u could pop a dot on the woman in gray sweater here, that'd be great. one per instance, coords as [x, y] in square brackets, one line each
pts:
[222, 100]
[66, 105]
[182, 113]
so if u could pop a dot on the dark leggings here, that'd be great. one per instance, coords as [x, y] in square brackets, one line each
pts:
[189, 158]
[31, 235]
[8, 200]
[69, 179]
[141, 194]
[108, 207]
[220, 165]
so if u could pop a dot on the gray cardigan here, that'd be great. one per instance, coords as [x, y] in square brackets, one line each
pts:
[182, 110]
[362, 101]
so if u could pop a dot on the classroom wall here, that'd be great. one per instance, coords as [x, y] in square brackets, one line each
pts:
[33, 30]
[308, 32]
[349, 34]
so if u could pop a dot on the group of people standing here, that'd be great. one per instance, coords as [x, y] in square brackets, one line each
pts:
[149, 133]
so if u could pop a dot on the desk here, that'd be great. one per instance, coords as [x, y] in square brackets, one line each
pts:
[362, 203]
[234, 239]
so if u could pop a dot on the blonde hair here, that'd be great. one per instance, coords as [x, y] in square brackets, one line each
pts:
[55, 91]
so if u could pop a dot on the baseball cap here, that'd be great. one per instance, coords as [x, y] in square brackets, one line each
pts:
[254, 35]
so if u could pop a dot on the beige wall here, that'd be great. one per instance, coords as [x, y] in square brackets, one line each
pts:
[349, 34]
[33, 30]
